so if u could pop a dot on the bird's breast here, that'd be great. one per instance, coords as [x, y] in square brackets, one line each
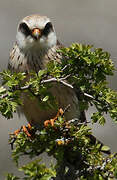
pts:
[64, 96]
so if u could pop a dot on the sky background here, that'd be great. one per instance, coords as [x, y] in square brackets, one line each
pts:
[84, 21]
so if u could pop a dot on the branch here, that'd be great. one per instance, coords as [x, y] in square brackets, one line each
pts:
[3, 96]
[88, 95]
[61, 80]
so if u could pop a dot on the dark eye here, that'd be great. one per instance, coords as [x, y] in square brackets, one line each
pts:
[48, 28]
[24, 29]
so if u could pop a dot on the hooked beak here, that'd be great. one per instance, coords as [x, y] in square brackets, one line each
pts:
[36, 33]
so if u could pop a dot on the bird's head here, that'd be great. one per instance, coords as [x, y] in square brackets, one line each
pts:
[35, 32]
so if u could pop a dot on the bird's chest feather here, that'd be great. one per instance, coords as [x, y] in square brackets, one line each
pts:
[64, 96]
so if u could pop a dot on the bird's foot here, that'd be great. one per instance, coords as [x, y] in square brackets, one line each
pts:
[51, 121]
[25, 129]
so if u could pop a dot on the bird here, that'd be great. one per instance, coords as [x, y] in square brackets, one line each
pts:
[36, 45]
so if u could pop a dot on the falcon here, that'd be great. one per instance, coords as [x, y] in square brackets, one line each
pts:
[37, 44]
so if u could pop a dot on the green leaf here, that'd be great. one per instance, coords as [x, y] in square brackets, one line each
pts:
[105, 148]
[41, 73]
[11, 177]
[46, 177]
[98, 117]
[45, 98]
[2, 89]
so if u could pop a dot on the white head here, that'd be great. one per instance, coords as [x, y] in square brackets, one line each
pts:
[35, 33]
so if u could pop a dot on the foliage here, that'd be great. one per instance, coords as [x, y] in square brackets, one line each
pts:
[34, 170]
[71, 143]
[11, 177]
[89, 69]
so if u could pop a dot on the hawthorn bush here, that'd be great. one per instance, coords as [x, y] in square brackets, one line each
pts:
[78, 154]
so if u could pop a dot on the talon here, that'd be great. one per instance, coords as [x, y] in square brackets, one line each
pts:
[51, 121]
[25, 129]
[14, 135]
[61, 111]
[16, 132]
[46, 123]
[29, 126]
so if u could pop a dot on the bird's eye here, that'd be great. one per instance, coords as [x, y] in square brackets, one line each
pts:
[24, 29]
[48, 28]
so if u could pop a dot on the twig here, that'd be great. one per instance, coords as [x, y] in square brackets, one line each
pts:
[25, 87]
[65, 67]
[78, 123]
[88, 95]
[3, 96]
[61, 80]
[66, 108]
[21, 88]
